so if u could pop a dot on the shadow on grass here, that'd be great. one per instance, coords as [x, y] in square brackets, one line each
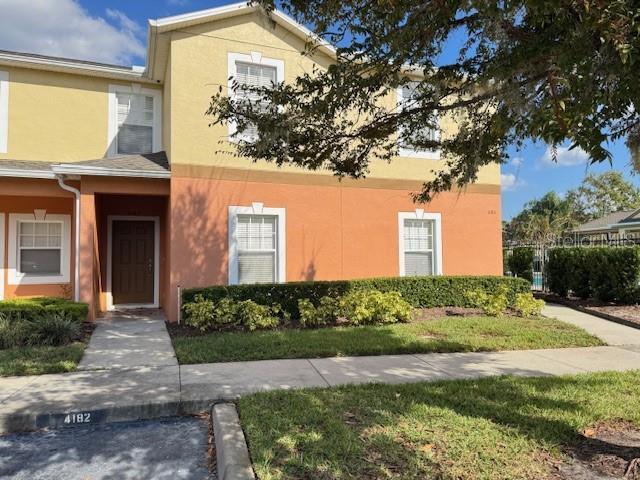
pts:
[492, 428]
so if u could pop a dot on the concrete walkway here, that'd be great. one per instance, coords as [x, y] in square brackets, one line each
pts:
[166, 390]
[125, 340]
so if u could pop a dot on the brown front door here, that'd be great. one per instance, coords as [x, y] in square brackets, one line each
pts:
[133, 254]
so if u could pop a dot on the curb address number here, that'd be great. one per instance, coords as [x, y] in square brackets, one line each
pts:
[74, 418]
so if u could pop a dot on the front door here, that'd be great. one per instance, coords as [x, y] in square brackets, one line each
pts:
[133, 262]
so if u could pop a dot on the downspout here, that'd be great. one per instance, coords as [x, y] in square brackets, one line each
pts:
[76, 193]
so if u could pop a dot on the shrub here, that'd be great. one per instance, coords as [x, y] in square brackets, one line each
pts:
[14, 331]
[253, 316]
[426, 292]
[521, 262]
[56, 328]
[200, 313]
[367, 307]
[492, 304]
[605, 273]
[326, 313]
[528, 306]
[33, 307]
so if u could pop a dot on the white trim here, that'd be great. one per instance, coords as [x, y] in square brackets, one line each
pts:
[257, 209]
[2, 243]
[14, 277]
[241, 8]
[19, 173]
[4, 111]
[420, 214]
[71, 66]
[71, 169]
[410, 152]
[256, 58]
[113, 115]
[156, 261]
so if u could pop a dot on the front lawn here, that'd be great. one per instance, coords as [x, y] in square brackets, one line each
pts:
[490, 429]
[40, 360]
[451, 334]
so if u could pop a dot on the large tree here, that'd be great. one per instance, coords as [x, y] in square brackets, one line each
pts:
[550, 70]
[600, 195]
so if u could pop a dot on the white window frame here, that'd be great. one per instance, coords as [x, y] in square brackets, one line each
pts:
[403, 151]
[133, 89]
[4, 111]
[156, 260]
[2, 242]
[420, 214]
[281, 245]
[255, 58]
[17, 278]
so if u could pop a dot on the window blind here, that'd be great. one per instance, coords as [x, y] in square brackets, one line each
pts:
[40, 245]
[418, 247]
[407, 139]
[257, 244]
[252, 75]
[135, 123]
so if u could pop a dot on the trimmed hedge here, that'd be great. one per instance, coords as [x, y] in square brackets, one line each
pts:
[436, 291]
[604, 273]
[39, 306]
[521, 262]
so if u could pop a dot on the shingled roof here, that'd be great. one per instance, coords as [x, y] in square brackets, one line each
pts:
[154, 165]
[604, 223]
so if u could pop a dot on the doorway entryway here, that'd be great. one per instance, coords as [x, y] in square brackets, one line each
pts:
[133, 258]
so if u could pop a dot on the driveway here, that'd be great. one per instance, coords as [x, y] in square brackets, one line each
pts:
[173, 448]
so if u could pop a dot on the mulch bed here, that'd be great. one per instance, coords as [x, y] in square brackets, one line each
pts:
[604, 451]
[628, 314]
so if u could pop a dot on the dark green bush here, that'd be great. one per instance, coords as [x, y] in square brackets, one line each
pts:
[48, 329]
[520, 262]
[604, 273]
[436, 291]
[37, 306]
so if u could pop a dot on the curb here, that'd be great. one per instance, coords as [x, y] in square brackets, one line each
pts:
[81, 417]
[232, 453]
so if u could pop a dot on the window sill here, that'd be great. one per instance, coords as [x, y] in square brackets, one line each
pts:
[407, 153]
[21, 279]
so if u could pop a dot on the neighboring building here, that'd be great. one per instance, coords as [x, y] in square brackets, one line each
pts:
[162, 208]
[624, 224]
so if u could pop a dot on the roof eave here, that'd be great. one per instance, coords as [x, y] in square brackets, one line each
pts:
[70, 169]
[17, 173]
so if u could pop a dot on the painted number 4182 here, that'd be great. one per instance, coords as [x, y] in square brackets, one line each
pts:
[73, 418]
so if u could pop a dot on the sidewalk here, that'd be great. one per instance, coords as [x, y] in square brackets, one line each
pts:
[27, 403]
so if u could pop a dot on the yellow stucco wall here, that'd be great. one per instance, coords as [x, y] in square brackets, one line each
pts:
[57, 116]
[199, 60]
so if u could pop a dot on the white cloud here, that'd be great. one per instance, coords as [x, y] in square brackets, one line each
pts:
[177, 2]
[510, 182]
[516, 161]
[63, 28]
[565, 157]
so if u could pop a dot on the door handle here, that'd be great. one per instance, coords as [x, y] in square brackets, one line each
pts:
[150, 266]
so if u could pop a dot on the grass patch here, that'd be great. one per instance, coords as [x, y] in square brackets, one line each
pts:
[40, 360]
[455, 334]
[490, 429]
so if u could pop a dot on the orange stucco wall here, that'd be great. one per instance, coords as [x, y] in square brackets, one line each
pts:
[332, 232]
[26, 204]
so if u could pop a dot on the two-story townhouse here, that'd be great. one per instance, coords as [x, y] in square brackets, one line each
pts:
[115, 189]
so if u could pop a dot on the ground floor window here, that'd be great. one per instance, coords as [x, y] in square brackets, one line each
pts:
[256, 244]
[420, 243]
[39, 249]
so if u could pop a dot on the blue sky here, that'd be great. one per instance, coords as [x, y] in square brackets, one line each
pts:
[114, 31]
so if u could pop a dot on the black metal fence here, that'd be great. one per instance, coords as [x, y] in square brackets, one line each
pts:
[541, 251]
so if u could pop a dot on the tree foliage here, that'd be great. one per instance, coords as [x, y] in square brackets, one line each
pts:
[552, 216]
[550, 70]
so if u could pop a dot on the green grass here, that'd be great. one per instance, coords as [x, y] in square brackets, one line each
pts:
[452, 334]
[40, 360]
[490, 429]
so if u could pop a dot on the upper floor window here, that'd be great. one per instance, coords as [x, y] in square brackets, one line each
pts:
[406, 97]
[4, 111]
[134, 123]
[252, 71]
